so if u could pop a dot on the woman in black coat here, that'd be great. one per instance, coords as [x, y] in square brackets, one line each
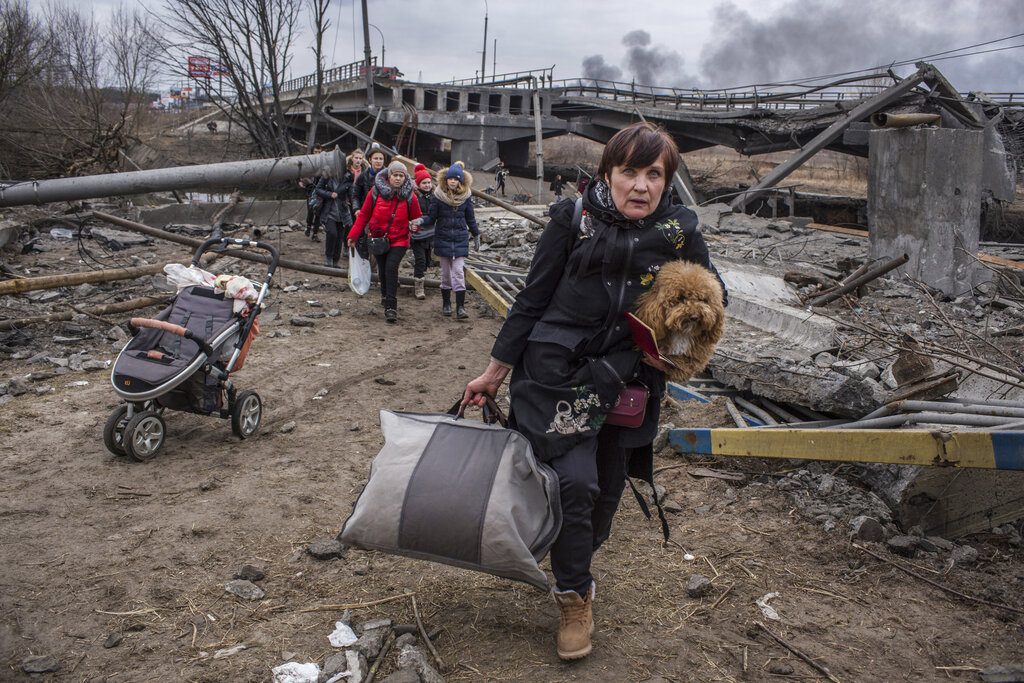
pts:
[335, 212]
[570, 352]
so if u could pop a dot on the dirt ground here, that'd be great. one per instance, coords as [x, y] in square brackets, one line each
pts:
[92, 544]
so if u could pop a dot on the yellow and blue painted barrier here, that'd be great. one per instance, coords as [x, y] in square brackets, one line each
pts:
[940, 448]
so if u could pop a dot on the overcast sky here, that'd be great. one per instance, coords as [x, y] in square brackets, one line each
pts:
[686, 43]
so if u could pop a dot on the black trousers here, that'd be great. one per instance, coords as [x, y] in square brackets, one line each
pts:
[334, 237]
[420, 257]
[591, 478]
[387, 271]
[312, 218]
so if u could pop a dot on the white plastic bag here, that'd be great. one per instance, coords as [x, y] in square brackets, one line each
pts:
[359, 272]
[187, 276]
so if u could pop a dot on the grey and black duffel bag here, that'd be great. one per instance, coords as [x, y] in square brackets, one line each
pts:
[457, 491]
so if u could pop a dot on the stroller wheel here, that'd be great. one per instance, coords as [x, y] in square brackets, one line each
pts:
[144, 435]
[247, 414]
[113, 430]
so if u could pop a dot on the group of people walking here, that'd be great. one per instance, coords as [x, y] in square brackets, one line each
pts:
[384, 212]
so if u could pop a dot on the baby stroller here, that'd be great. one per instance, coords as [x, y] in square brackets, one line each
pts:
[182, 360]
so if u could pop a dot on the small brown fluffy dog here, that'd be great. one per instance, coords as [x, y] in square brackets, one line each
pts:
[684, 308]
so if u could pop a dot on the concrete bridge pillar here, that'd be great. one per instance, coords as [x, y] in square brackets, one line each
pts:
[464, 100]
[476, 152]
[924, 199]
[418, 98]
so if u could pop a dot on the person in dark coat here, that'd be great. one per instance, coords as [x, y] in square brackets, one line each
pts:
[386, 212]
[499, 178]
[569, 350]
[364, 183]
[422, 237]
[335, 212]
[313, 218]
[556, 186]
[451, 216]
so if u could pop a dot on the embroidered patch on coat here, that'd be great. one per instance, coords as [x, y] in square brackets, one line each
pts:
[673, 232]
[576, 417]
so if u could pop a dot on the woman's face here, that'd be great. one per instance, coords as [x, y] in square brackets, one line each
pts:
[637, 191]
[426, 185]
[377, 161]
[453, 183]
[396, 178]
[357, 158]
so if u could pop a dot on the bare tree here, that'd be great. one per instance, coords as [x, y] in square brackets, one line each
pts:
[23, 44]
[251, 41]
[318, 10]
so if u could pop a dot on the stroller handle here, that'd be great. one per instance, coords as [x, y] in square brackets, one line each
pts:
[236, 241]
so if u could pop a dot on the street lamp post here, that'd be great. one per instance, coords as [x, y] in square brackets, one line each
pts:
[382, 62]
[483, 58]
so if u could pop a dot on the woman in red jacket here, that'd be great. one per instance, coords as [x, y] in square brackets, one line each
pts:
[386, 213]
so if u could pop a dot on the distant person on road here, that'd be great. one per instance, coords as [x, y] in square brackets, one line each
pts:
[365, 182]
[309, 184]
[556, 186]
[335, 212]
[386, 213]
[451, 216]
[499, 178]
[422, 236]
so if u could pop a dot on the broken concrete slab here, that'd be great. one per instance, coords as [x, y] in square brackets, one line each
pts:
[767, 302]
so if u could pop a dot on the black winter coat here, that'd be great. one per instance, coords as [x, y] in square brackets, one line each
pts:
[362, 186]
[452, 226]
[426, 232]
[566, 336]
[338, 210]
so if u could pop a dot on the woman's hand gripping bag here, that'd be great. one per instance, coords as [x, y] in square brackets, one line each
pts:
[460, 492]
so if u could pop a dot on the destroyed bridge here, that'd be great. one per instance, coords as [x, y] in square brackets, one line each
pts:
[498, 118]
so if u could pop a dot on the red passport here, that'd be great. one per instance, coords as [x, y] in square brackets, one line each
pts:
[643, 335]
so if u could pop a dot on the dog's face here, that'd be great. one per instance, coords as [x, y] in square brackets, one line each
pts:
[693, 312]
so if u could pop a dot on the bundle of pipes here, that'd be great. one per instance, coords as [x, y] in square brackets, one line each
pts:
[992, 414]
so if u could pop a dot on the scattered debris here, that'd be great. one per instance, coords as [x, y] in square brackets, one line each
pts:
[767, 610]
[342, 635]
[246, 590]
[327, 549]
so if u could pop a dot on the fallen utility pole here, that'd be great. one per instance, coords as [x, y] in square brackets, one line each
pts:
[244, 255]
[31, 284]
[109, 309]
[258, 173]
[866, 277]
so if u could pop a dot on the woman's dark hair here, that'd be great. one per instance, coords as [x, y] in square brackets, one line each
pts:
[639, 145]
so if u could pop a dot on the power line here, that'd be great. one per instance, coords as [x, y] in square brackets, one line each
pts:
[905, 62]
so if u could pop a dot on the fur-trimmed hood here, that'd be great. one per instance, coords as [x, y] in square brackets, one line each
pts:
[382, 183]
[447, 196]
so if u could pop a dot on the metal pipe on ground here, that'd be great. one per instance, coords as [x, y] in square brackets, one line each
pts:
[948, 406]
[257, 173]
[875, 272]
[988, 402]
[245, 255]
[902, 419]
[755, 411]
[734, 413]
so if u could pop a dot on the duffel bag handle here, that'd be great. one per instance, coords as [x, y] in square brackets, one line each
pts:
[491, 412]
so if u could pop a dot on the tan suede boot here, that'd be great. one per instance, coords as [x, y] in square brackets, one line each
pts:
[418, 288]
[576, 623]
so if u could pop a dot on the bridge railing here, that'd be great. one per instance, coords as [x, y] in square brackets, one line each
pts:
[335, 74]
[512, 78]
